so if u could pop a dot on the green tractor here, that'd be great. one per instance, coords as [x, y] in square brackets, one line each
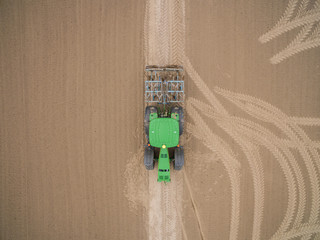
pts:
[164, 120]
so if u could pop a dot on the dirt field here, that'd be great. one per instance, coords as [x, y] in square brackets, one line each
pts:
[71, 119]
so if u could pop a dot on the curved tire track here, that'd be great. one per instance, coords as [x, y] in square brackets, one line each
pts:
[305, 39]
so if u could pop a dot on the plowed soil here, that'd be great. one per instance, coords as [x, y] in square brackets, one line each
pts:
[71, 119]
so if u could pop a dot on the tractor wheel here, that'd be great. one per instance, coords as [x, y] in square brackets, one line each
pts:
[148, 111]
[178, 158]
[149, 158]
[179, 110]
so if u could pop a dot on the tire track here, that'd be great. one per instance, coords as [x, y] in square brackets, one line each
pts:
[176, 201]
[306, 39]
[290, 49]
[267, 113]
[284, 154]
[146, 33]
[194, 206]
[252, 155]
[184, 233]
[165, 191]
[171, 199]
[304, 229]
[234, 175]
[292, 195]
[207, 110]
[164, 30]
[218, 146]
[155, 208]
[161, 48]
[305, 121]
[177, 38]
[294, 49]
[196, 79]
[232, 128]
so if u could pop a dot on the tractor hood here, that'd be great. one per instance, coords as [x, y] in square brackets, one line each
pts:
[164, 131]
[164, 165]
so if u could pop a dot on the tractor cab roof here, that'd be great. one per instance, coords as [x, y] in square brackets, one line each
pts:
[164, 131]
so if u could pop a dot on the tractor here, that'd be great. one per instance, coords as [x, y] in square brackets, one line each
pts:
[164, 119]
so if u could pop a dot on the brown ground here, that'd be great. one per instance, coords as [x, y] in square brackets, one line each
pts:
[71, 87]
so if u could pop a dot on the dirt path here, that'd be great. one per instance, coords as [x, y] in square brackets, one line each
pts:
[163, 39]
[249, 136]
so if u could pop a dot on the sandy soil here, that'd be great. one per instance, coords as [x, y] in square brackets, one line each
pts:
[70, 85]
[279, 184]
[72, 112]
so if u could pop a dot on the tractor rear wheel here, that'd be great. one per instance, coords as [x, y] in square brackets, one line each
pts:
[178, 158]
[149, 158]
[179, 110]
[148, 111]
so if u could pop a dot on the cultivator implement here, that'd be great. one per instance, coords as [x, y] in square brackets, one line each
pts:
[164, 84]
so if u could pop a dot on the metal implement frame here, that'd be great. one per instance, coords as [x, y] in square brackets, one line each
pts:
[163, 85]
